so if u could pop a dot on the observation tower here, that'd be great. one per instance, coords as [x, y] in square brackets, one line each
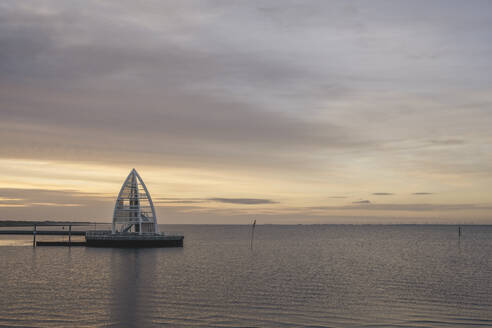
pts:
[134, 210]
[134, 220]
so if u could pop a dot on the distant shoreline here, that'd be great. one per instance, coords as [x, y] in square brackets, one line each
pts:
[30, 223]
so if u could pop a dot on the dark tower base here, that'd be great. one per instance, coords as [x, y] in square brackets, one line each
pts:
[107, 239]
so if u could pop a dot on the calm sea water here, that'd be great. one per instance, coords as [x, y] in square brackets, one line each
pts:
[296, 276]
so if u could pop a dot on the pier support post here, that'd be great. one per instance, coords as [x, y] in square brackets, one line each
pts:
[34, 236]
[69, 235]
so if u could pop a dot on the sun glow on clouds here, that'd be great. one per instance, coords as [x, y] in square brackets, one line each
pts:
[193, 192]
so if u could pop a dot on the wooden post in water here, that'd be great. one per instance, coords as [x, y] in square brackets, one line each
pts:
[34, 236]
[252, 233]
[70, 235]
[459, 231]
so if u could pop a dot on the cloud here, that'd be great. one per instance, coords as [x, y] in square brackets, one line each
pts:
[178, 201]
[11, 202]
[422, 193]
[201, 98]
[244, 201]
[73, 205]
[55, 204]
[245, 89]
[45, 204]
[190, 97]
[416, 207]
[46, 197]
[447, 142]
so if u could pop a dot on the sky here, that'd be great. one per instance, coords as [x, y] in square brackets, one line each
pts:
[285, 112]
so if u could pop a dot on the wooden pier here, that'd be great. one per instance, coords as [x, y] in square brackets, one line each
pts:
[93, 238]
[34, 231]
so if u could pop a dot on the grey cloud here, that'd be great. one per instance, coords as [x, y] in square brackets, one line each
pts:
[44, 197]
[17, 202]
[178, 202]
[149, 104]
[407, 207]
[447, 142]
[202, 129]
[43, 204]
[362, 202]
[244, 201]
[422, 193]
[171, 199]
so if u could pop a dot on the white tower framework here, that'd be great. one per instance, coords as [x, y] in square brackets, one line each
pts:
[134, 210]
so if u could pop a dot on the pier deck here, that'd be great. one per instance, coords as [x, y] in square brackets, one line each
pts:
[106, 239]
[61, 243]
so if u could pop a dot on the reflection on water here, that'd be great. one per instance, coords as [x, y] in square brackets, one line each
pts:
[131, 280]
[125, 283]
[320, 276]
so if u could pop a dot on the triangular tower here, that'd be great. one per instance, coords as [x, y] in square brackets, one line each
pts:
[134, 211]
